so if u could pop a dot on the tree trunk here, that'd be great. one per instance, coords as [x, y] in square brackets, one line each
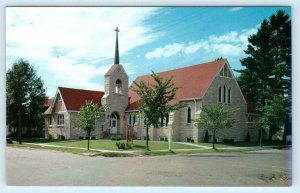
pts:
[19, 129]
[270, 133]
[260, 137]
[88, 147]
[285, 130]
[147, 137]
[214, 134]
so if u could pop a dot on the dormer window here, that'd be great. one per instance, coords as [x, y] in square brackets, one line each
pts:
[118, 87]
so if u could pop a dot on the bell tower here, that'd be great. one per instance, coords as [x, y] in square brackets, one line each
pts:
[116, 95]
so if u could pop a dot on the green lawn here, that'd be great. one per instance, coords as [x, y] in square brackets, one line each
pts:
[110, 144]
[138, 145]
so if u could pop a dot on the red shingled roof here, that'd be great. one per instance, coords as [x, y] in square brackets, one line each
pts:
[193, 80]
[75, 98]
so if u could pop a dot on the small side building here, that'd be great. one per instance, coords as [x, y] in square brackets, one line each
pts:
[61, 114]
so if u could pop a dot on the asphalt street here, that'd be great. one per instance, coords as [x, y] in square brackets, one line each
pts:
[35, 167]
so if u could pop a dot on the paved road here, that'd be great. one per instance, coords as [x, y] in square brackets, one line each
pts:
[45, 167]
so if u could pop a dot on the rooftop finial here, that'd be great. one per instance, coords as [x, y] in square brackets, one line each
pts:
[117, 47]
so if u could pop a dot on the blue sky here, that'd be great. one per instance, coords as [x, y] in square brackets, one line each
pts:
[74, 46]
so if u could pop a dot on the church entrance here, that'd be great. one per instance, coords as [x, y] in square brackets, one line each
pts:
[114, 123]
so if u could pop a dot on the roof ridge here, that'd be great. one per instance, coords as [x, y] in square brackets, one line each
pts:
[79, 89]
[194, 65]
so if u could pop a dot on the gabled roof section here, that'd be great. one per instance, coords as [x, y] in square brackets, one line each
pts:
[193, 80]
[75, 98]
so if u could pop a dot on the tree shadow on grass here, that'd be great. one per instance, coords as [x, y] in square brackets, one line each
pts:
[43, 140]
[139, 146]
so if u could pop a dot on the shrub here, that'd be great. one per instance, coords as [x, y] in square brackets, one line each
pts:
[120, 145]
[248, 138]
[80, 137]
[9, 141]
[228, 140]
[62, 137]
[116, 138]
[128, 146]
[93, 137]
[50, 137]
[192, 141]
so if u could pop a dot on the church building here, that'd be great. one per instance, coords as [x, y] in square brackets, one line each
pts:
[202, 84]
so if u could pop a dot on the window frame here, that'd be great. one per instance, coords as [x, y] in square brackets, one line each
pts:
[60, 120]
[189, 115]
[220, 94]
[50, 120]
[228, 96]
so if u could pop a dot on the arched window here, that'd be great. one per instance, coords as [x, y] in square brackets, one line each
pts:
[118, 86]
[220, 94]
[224, 94]
[129, 120]
[229, 96]
[133, 120]
[189, 115]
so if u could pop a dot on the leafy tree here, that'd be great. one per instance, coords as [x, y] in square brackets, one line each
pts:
[155, 100]
[215, 116]
[266, 74]
[274, 116]
[88, 116]
[26, 97]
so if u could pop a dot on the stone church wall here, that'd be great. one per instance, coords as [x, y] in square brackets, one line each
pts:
[238, 131]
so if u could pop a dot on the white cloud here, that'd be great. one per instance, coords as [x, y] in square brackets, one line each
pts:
[234, 9]
[230, 37]
[166, 51]
[129, 68]
[194, 47]
[226, 50]
[231, 44]
[81, 37]
[79, 75]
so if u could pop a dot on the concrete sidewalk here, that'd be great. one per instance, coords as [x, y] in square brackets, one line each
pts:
[116, 151]
[68, 147]
[192, 144]
[200, 147]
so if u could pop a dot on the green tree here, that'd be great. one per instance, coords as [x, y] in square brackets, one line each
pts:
[88, 116]
[26, 97]
[215, 116]
[266, 74]
[155, 100]
[274, 116]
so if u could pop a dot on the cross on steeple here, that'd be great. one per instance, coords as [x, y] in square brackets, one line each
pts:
[117, 47]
